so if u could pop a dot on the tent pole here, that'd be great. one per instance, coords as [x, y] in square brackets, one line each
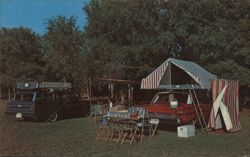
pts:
[170, 76]
[112, 90]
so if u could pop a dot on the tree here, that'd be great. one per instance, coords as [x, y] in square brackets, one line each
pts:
[134, 37]
[21, 56]
[122, 38]
[63, 50]
[213, 33]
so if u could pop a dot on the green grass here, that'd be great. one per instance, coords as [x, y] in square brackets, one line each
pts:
[76, 137]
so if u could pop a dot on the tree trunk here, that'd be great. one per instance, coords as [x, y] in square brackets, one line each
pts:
[14, 89]
[9, 93]
[0, 92]
[112, 90]
[129, 94]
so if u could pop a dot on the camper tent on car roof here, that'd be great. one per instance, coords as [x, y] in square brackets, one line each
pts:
[178, 74]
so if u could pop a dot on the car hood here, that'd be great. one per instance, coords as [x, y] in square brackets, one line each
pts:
[159, 108]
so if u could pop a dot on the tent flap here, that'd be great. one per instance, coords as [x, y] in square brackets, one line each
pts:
[225, 92]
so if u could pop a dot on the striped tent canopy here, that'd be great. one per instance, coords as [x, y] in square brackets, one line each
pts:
[178, 74]
[230, 99]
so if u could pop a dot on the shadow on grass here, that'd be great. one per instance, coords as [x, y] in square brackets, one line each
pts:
[167, 127]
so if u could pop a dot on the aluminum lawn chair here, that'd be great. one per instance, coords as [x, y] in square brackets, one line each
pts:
[153, 126]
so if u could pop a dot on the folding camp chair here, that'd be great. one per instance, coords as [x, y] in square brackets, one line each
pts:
[153, 126]
[102, 130]
[142, 123]
[116, 132]
[128, 130]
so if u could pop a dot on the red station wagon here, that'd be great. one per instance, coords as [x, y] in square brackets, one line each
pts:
[180, 111]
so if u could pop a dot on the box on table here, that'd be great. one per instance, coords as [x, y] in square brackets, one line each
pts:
[186, 130]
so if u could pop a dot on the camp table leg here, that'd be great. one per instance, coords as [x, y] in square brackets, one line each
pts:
[133, 138]
[125, 132]
[128, 133]
[99, 133]
[109, 133]
[121, 133]
[112, 134]
[115, 133]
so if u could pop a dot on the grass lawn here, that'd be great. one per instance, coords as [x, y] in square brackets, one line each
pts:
[76, 137]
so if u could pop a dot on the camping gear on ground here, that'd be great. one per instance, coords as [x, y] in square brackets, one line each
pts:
[102, 130]
[117, 129]
[186, 131]
[124, 127]
[143, 125]
[226, 100]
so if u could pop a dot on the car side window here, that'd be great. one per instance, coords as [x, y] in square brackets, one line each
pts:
[44, 97]
[18, 96]
[49, 97]
[40, 97]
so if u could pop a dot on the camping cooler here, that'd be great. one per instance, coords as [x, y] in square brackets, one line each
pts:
[186, 130]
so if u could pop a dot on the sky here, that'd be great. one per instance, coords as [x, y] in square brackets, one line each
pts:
[34, 14]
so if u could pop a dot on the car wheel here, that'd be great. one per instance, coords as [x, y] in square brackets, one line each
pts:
[52, 117]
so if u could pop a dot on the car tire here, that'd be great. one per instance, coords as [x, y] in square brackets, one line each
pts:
[53, 117]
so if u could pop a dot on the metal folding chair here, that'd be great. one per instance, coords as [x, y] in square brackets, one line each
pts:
[102, 130]
[153, 125]
[142, 122]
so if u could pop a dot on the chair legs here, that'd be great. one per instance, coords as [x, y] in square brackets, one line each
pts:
[154, 129]
[137, 135]
[126, 133]
[154, 124]
[101, 132]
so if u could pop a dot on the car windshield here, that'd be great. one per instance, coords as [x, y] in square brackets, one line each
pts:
[164, 97]
[24, 96]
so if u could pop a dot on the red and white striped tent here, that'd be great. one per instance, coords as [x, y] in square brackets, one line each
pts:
[230, 98]
[178, 74]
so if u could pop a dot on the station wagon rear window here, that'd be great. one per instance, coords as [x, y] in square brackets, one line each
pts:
[24, 96]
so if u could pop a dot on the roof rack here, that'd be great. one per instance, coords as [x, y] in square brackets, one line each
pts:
[43, 85]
